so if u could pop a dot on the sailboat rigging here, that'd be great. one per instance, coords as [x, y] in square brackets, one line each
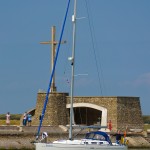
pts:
[93, 140]
[53, 70]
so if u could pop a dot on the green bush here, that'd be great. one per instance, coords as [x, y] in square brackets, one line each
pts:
[12, 116]
[146, 119]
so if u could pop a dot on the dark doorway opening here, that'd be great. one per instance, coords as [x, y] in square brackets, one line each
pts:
[87, 116]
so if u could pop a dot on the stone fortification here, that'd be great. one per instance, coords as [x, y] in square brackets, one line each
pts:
[129, 113]
[55, 110]
[124, 112]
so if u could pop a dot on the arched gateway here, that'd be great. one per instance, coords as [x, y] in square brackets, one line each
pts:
[102, 110]
[122, 111]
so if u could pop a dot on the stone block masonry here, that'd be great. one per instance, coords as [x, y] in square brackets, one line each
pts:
[55, 110]
[124, 112]
[129, 113]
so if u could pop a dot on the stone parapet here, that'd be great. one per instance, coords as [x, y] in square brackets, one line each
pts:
[55, 110]
[124, 112]
[129, 113]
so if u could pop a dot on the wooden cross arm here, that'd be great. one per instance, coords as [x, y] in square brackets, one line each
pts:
[55, 42]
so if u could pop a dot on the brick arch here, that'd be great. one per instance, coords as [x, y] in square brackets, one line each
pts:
[103, 109]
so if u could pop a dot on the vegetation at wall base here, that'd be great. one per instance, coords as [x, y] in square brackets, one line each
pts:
[12, 122]
[15, 120]
[146, 119]
[12, 116]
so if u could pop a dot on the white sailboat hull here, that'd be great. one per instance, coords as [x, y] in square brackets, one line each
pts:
[54, 146]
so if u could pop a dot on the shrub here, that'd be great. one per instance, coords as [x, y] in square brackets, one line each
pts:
[146, 119]
[12, 116]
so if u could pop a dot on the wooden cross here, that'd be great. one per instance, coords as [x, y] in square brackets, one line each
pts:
[53, 43]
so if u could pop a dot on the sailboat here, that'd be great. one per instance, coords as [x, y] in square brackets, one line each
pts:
[93, 140]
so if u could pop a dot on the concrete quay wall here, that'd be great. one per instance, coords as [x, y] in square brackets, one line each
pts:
[14, 139]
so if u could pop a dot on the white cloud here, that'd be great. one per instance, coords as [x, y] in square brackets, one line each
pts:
[143, 79]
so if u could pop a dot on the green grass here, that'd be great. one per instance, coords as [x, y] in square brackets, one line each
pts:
[13, 116]
[12, 122]
[14, 119]
[146, 119]
[146, 126]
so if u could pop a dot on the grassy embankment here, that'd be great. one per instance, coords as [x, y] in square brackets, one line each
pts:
[15, 120]
[146, 120]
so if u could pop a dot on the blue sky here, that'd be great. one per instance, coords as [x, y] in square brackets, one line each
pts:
[121, 32]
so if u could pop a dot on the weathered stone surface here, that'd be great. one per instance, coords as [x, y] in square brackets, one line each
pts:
[124, 112]
[55, 109]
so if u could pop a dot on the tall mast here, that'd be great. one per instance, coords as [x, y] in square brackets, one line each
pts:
[73, 66]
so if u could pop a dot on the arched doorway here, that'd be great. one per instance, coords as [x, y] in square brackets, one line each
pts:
[100, 113]
[87, 116]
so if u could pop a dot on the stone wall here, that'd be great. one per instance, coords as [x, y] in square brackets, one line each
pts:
[129, 113]
[107, 102]
[124, 112]
[55, 111]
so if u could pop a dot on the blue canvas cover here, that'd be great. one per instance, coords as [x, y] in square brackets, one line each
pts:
[98, 135]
